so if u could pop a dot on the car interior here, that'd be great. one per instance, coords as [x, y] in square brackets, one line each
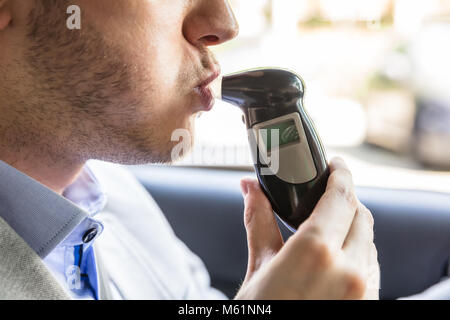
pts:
[205, 208]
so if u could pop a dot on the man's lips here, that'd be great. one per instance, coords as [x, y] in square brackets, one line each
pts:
[212, 76]
[204, 91]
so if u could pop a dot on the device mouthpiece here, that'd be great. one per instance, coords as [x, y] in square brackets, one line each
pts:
[216, 87]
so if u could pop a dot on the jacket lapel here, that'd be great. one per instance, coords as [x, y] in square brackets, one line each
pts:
[23, 275]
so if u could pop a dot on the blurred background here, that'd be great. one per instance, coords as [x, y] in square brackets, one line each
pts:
[377, 76]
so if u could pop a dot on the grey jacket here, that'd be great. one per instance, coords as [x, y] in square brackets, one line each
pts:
[23, 275]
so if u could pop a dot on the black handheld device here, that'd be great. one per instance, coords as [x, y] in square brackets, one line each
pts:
[292, 171]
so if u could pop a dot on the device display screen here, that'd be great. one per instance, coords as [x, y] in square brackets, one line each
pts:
[287, 132]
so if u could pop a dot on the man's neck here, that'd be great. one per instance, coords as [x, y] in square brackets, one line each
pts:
[55, 176]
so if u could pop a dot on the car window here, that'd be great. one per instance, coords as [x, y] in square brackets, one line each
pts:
[377, 85]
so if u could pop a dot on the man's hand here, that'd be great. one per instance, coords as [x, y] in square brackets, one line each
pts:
[331, 256]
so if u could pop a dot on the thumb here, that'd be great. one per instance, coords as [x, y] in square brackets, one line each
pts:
[263, 235]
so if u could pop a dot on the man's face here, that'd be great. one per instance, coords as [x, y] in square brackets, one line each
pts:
[117, 88]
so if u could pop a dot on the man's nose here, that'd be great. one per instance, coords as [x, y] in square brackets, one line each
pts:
[210, 22]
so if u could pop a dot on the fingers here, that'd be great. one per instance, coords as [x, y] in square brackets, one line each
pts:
[361, 251]
[373, 280]
[346, 286]
[263, 235]
[360, 237]
[334, 213]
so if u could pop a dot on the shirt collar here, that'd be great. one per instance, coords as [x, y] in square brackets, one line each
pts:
[86, 192]
[42, 217]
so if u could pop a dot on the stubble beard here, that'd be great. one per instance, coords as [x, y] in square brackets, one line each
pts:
[84, 94]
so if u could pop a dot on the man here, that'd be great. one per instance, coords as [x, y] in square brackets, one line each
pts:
[115, 90]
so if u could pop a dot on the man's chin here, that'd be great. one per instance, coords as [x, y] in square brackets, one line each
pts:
[164, 153]
[142, 147]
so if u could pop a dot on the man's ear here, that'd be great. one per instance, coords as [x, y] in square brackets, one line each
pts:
[5, 14]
